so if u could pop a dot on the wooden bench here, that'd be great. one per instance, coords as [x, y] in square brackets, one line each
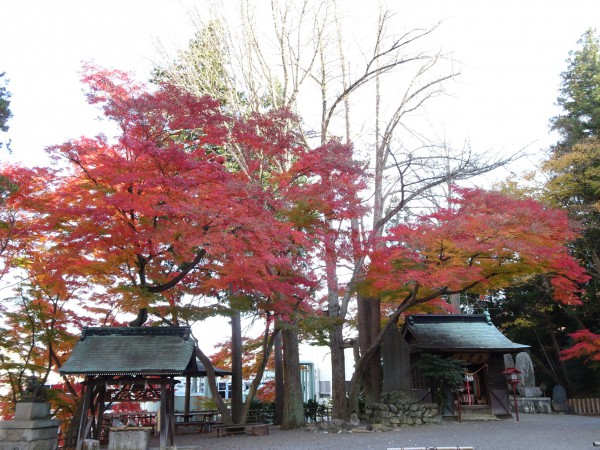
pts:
[253, 429]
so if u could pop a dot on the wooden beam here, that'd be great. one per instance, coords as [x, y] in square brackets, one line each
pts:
[171, 414]
[87, 386]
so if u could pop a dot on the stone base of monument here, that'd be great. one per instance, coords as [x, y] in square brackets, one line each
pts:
[529, 391]
[31, 429]
[128, 438]
[532, 405]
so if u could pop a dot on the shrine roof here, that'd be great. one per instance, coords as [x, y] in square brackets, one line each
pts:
[134, 351]
[457, 332]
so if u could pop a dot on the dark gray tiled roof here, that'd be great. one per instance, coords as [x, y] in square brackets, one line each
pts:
[133, 350]
[457, 332]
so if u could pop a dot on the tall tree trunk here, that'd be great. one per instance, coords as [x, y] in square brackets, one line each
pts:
[369, 325]
[369, 309]
[293, 404]
[279, 386]
[236, 366]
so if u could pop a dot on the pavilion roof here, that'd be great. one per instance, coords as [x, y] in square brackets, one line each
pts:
[135, 351]
[457, 332]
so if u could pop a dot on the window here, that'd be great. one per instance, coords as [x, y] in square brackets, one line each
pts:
[324, 389]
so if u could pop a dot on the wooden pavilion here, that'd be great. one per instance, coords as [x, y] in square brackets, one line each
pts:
[132, 364]
[471, 338]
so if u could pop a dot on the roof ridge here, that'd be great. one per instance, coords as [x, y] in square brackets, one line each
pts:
[183, 332]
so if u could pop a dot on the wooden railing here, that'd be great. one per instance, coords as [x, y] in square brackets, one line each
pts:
[585, 405]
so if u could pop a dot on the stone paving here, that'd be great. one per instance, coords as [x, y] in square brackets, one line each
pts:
[532, 432]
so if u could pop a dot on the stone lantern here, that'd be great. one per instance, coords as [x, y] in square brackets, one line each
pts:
[512, 376]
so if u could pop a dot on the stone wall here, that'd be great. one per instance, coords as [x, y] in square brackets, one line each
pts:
[399, 408]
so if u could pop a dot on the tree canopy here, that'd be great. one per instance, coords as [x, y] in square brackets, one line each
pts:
[484, 241]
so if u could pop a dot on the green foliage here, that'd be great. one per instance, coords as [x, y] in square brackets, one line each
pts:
[261, 412]
[442, 374]
[5, 113]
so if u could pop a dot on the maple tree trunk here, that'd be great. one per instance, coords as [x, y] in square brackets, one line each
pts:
[212, 385]
[293, 405]
[338, 374]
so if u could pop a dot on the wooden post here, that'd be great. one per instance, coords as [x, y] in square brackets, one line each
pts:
[171, 412]
[101, 398]
[186, 405]
[163, 415]
[84, 412]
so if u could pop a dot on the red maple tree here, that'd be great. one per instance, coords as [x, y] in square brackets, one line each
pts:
[164, 209]
[483, 241]
[185, 201]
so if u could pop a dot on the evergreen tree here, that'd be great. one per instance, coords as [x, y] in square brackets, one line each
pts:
[574, 171]
[579, 95]
[5, 113]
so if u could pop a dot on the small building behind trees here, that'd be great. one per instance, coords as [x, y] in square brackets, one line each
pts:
[472, 339]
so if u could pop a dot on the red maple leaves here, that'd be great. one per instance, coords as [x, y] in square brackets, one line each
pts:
[186, 200]
[482, 241]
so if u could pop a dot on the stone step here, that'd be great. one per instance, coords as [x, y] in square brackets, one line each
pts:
[477, 412]
[478, 417]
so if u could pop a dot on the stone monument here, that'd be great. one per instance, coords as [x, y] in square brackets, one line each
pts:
[32, 428]
[559, 399]
[526, 386]
[530, 398]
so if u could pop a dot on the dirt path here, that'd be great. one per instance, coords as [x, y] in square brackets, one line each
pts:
[532, 432]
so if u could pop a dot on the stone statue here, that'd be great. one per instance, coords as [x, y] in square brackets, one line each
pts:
[34, 391]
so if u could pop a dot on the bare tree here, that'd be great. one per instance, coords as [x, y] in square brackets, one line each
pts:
[368, 91]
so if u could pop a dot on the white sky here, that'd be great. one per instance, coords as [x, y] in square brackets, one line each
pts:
[512, 54]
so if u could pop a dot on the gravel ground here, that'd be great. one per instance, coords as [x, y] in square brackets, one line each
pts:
[532, 432]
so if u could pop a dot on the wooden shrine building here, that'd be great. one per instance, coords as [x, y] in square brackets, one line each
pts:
[471, 338]
[132, 364]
